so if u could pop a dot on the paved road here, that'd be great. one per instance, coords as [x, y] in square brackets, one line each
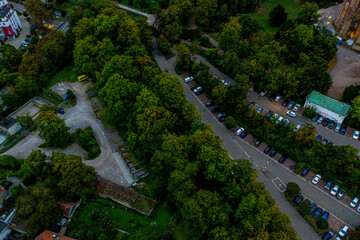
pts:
[150, 17]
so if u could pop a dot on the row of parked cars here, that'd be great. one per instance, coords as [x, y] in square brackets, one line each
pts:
[279, 119]
[326, 122]
[287, 103]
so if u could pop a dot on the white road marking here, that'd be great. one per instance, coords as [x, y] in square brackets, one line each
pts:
[279, 185]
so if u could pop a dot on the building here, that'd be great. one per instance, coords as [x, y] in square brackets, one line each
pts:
[348, 22]
[49, 235]
[10, 24]
[327, 106]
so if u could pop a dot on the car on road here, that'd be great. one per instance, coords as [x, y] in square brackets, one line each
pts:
[278, 97]
[334, 190]
[209, 104]
[220, 115]
[320, 119]
[239, 131]
[354, 202]
[272, 153]
[328, 235]
[325, 214]
[343, 130]
[341, 194]
[297, 128]
[343, 231]
[316, 179]
[267, 149]
[291, 104]
[221, 119]
[305, 171]
[331, 125]
[356, 135]
[257, 143]
[268, 114]
[324, 141]
[188, 79]
[337, 128]
[244, 134]
[286, 121]
[272, 97]
[318, 137]
[198, 90]
[326, 122]
[327, 186]
[263, 93]
[291, 114]
[298, 199]
[260, 109]
[313, 206]
[215, 109]
[317, 213]
[296, 107]
[286, 102]
[282, 159]
[315, 118]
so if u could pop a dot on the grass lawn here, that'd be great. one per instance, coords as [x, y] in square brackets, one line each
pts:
[66, 74]
[292, 7]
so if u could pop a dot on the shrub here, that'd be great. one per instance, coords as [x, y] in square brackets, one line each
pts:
[299, 167]
[86, 139]
[70, 94]
[322, 223]
[230, 122]
[292, 190]
[205, 41]
[309, 112]
[304, 208]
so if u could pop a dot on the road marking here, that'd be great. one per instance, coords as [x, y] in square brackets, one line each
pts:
[279, 184]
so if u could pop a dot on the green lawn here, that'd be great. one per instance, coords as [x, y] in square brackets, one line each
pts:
[292, 7]
[66, 74]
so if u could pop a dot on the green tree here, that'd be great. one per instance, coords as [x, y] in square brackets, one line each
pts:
[205, 12]
[39, 12]
[10, 58]
[277, 15]
[308, 14]
[304, 208]
[230, 122]
[355, 109]
[12, 101]
[350, 93]
[163, 43]
[309, 112]
[230, 36]
[322, 223]
[292, 190]
[183, 56]
[25, 121]
[34, 168]
[249, 26]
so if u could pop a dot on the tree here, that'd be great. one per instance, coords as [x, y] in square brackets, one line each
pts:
[183, 56]
[53, 129]
[304, 208]
[205, 12]
[230, 36]
[249, 26]
[277, 16]
[322, 223]
[12, 101]
[163, 44]
[350, 93]
[292, 190]
[34, 168]
[10, 58]
[230, 122]
[308, 14]
[355, 109]
[37, 9]
[25, 121]
[309, 112]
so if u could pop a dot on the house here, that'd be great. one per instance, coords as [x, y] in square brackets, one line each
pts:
[5, 190]
[10, 24]
[68, 209]
[327, 106]
[49, 235]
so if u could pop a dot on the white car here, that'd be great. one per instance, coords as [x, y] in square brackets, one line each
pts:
[296, 107]
[239, 131]
[291, 114]
[263, 93]
[286, 121]
[356, 135]
[334, 190]
[343, 231]
[280, 119]
[297, 128]
[274, 116]
[316, 179]
[354, 202]
[277, 98]
[224, 82]
[188, 79]
[358, 208]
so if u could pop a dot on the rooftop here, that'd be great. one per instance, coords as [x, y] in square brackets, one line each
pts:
[3, 225]
[49, 235]
[329, 103]
[7, 122]
[4, 11]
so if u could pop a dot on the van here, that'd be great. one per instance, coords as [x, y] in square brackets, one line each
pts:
[82, 78]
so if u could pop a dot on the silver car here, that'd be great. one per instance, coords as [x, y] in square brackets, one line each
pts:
[337, 128]
[354, 202]
[321, 118]
[296, 107]
[334, 190]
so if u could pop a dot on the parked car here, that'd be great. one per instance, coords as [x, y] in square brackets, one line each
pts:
[286, 102]
[28, 35]
[325, 215]
[297, 128]
[318, 137]
[358, 208]
[291, 114]
[282, 159]
[313, 206]
[341, 194]
[272, 97]
[298, 199]
[325, 141]
[286, 121]
[215, 109]
[320, 119]
[224, 82]
[337, 128]
[280, 119]
[354, 202]
[257, 143]
[272, 153]
[28, 40]
[326, 122]
[260, 109]
[328, 235]
[268, 114]
[315, 118]
[221, 119]
[239, 131]
[343, 130]
[296, 107]
[263, 93]
[328, 185]
[343, 231]
[334, 190]
[244, 134]
[274, 116]
[356, 135]
[317, 213]
[291, 104]
[331, 125]
[278, 97]
[209, 104]
[198, 90]
[267, 149]
[305, 171]
[34, 26]
[61, 111]
[316, 179]
[220, 115]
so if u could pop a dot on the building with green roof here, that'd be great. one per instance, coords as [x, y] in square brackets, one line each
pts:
[327, 106]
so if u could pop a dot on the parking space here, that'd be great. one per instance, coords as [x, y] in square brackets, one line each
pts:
[279, 184]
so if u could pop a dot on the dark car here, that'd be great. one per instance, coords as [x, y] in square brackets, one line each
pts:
[61, 111]
[215, 109]
[341, 193]
[318, 137]
[291, 104]
[209, 104]
[282, 159]
[268, 114]
[325, 141]
[325, 215]
[328, 235]
[34, 26]
[317, 213]
[244, 134]
[312, 208]
[286, 102]
[298, 199]
[328, 185]
[331, 125]
[343, 130]
[267, 149]
[28, 40]
[257, 143]
[221, 115]
[221, 119]
[272, 97]
[315, 118]
[326, 122]
[272, 153]
[305, 171]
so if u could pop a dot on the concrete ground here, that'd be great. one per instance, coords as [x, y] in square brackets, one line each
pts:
[25, 30]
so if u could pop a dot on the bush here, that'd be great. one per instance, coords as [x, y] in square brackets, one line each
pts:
[70, 94]
[86, 139]
[205, 41]
[322, 223]
[309, 112]
[9, 162]
[292, 190]
[230, 122]
[304, 208]
[299, 167]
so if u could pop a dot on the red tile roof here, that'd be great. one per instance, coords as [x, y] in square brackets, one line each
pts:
[49, 235]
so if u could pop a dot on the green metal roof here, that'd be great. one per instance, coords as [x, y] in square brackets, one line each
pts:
[329, 103]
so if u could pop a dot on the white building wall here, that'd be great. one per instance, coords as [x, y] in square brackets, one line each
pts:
[325, 112]
[16, 19]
